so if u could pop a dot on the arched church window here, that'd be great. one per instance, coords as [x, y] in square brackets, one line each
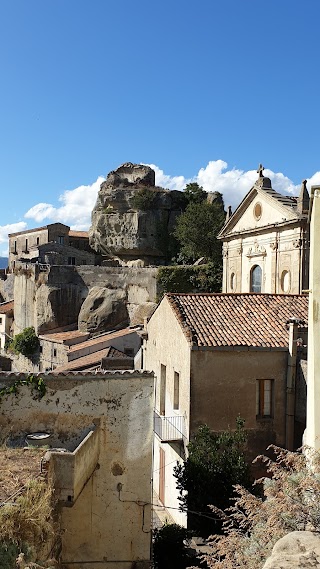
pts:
[256, 279]
[233, 281]
[285, 281]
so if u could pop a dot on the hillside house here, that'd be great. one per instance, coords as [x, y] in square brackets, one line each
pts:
[218, 356]
[99, 427]
[52, 244]
[266, 242]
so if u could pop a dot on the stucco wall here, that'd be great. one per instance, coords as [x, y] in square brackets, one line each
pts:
[223, 386]
[166, 345]
[108, 523]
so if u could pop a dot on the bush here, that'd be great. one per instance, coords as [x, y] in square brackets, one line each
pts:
[252, 526]
[190, 278]
[169, 547]
[26, 343]
[144, 199]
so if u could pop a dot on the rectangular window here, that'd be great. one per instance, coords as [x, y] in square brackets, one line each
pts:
[26, 249]
[162, 481]
[264, 398]
[0, 320]
[54, 353]
[15, 247]
[176, 389]
[61, 239]
[163, 375]
[71, 260]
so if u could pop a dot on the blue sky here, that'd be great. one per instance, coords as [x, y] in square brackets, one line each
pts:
[202, 90]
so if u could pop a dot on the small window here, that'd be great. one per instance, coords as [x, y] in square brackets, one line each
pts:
[54, 353]
[26, 249]
[163, 375]
[264, 398]
[285, 281]
[38, 240]
[255, 279]
[71, 260]
[1, 320]
[40, 349]
[233, 281]
[61, 239]
[15, 247]
[176, 390]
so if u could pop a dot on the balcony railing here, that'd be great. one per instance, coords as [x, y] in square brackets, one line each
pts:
[170, 429]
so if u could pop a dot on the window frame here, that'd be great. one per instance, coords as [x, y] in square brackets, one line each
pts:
[265, 398]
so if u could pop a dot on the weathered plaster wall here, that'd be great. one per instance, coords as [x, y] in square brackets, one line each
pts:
[166, 345]
[224, 385]
[109, 524]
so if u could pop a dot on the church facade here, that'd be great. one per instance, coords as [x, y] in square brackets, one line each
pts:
[266, 242]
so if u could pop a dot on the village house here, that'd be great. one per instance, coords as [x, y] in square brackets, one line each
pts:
[218, 356]
[99, 428]
[75, 350]
[266, 242]
[52, 244]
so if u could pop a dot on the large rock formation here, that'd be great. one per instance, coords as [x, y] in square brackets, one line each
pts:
[295, 550]
[103, 309]
[133, 218]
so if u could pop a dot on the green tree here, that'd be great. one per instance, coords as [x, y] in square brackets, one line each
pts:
[169, 547]
[216, 462]
[197, 229]
[26, 343]
[195, 193]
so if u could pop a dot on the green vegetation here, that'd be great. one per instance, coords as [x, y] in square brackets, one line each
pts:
[36, 384]
[197, 229]
[216, 462]
[190, 278]
[195, 193]
[144, 199]
[25, 343]
[169, 547]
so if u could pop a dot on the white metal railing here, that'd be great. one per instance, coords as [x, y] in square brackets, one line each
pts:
[169, 428]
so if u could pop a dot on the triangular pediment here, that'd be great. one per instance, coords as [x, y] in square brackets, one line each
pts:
[260, 208]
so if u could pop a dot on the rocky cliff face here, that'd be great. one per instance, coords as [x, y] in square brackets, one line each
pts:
[132, 217]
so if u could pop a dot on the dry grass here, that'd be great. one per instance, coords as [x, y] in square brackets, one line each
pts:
[18, 466]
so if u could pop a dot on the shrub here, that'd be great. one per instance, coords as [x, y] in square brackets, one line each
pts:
[144, 199]
[169, 547]
[291, 502]
[26, 343]
[190, 278]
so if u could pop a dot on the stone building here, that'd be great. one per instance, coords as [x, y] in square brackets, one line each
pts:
[53, 244]
[221, 356]
[102, 478]
[266, 242]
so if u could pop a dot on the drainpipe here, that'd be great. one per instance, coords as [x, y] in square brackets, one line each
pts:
[291, 381]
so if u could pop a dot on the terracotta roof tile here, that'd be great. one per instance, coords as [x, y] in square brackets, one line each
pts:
[6, 307]
[252, 320]
[74, 233]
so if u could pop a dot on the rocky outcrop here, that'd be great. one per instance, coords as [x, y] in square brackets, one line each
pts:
[295, 550]
[132, 217]
[104, 309]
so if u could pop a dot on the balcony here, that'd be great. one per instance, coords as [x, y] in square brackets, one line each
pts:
[170, 429]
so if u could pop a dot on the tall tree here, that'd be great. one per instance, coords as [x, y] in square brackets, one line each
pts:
[215, 463]
[197, 229]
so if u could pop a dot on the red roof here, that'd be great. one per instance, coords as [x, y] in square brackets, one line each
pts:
[230, 320]
[74, 233]
[6, 307]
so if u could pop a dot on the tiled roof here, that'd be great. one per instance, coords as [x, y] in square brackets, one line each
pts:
[289, 201]
[6, 307]
[63, 337]
[73, 233]
[84, 362]
[103, 337]
[234, 320]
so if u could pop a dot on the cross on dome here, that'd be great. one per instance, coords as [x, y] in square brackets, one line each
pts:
[260, 171]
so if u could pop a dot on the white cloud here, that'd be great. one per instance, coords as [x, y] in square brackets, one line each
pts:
[76, 205]
[5, 230]
[233, 183]
[75, 210]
